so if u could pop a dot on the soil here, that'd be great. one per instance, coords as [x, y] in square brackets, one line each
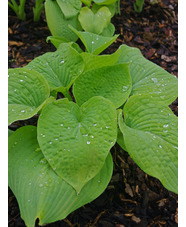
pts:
[132, 198]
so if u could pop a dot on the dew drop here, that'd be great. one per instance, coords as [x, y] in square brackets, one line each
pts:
[99, 181]
[13, 110]
[92, 42]
[56, 138]
[21, 80]
[88, 142]
[40, 185]
[107, 127]
[165, 126]
[85, 135]
[94, 124]
[43, 135]
[30, 183]
[50, 142]
[61, 124]
[68, 127]
[28, 201]
[92, 137]
[62, 61]
[22, 111]
[160, 146]
[15, 90]
[154, 80]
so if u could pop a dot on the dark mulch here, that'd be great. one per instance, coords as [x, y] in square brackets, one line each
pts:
[132, 198]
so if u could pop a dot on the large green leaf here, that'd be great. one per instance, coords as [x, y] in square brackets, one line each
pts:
[70, 8]
[27, 93]
[94, 23]
[150, 134]
[76, 141]
[93, 61]
[60, 68]
[94, 44]
[39, 191]
[149, 78]
[57, 22]
[111, 82]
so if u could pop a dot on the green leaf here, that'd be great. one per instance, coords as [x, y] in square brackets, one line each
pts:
[94, 23]
[105, 2]
[150, 133]
[149, 78]
[27, 93]
[70, 8]
[10, 132]
[93, 61]
[56, 40]
[111, 82]
[39, 191]
[57, 22]
[60, 68]
[87, 2]
[111, 8]
[94, 44]
[76, 140]
[109, 30]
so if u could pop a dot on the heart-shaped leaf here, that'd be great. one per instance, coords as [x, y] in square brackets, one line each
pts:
[150, 134]
[57, 22]
[94, 23]
[76, 140]
[70, 8]
[39, 191]
[60, 68]
[27, 93]
[94, 44]
[111, 82]
[149, 78]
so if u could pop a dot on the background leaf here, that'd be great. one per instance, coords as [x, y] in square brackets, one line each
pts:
[70, 8]
[27, 93]
[111, 82]
[57, 22]
[94, 44]
[60, 68]
[149, 78]
[39, 191]
[76, 141]
[150, 133]
[94, 23]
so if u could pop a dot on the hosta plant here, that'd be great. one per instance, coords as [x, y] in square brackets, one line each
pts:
[65, 162]
[94, 17]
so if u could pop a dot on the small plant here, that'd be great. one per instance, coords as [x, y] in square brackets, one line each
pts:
[94, 17]
[37, 9]
[65, 161]
[18, 9]
[138, 5]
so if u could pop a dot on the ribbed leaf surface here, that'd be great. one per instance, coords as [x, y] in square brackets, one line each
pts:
[150, 134]
[76, 140]
[60, 68]
[111, 82]
[149, 78]
[39, 191]
[27, 93]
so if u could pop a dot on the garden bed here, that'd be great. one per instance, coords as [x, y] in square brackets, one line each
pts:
[132, 198]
